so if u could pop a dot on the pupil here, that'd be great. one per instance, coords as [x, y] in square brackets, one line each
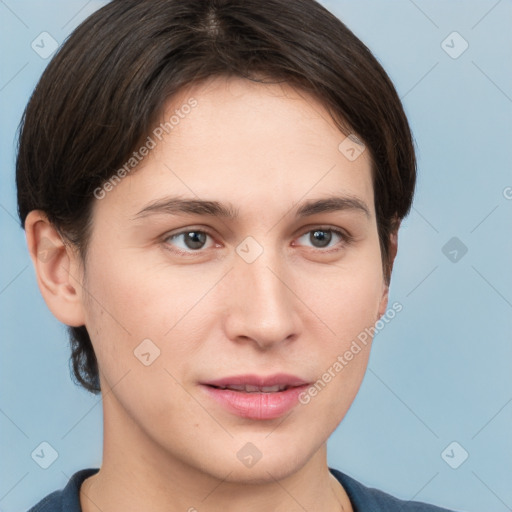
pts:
[195, 239]
[324, 237]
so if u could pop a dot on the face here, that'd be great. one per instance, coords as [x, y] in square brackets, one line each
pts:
[242, 253]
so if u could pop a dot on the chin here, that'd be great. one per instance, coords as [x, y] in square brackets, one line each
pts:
[252, 465]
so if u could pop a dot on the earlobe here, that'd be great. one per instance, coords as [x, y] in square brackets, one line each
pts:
[383, 301]
[393, 248]
[55, 265]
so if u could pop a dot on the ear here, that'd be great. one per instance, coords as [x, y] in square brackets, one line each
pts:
[57, 269]
[393, 248]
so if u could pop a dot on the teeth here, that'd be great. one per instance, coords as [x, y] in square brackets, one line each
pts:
[248, 388]
[272, 389]
[236, 388]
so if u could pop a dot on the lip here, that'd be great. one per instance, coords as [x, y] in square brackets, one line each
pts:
[256, 405]
[278, 379]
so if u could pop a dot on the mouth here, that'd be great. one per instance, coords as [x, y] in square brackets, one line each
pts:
[248, 388]
[256, 397]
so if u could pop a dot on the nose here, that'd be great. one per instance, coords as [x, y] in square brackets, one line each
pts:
[261, 307]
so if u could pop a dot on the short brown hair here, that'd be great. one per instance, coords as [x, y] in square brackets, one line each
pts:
[109, 81]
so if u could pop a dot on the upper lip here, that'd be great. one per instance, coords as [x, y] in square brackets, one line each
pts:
[278, 379]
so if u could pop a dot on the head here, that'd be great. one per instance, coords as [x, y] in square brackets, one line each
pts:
[214, 190]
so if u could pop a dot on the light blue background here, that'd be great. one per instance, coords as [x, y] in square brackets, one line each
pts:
[439, 372]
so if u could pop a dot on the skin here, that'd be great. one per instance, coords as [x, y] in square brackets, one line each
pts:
[266, 150]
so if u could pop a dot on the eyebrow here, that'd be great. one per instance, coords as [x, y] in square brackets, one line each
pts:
[177, 205]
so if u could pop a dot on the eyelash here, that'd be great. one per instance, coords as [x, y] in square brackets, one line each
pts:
[346, 239]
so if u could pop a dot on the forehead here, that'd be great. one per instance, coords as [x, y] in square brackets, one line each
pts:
[249, 143]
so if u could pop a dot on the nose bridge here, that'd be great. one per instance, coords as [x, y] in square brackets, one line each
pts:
[262, 307]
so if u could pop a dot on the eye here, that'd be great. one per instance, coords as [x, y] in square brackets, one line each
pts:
[190, 240]
[321, 238]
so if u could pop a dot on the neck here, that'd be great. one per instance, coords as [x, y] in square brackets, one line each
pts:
[138, 474]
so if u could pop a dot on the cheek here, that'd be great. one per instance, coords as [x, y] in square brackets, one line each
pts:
[345, 298]
[350, 310]
[130, 303]
[347, 302]
[128, 313]
[118, 312]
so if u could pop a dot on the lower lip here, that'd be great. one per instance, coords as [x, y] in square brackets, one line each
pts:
[256, 406]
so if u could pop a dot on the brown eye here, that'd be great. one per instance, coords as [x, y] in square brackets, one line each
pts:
[320, 237]
[194, 239]
[188, 241]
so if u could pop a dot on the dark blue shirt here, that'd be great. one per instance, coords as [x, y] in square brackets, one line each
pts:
[362, 498]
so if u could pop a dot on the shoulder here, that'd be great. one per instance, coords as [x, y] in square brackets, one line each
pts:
[365, 498]
[67, 499]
